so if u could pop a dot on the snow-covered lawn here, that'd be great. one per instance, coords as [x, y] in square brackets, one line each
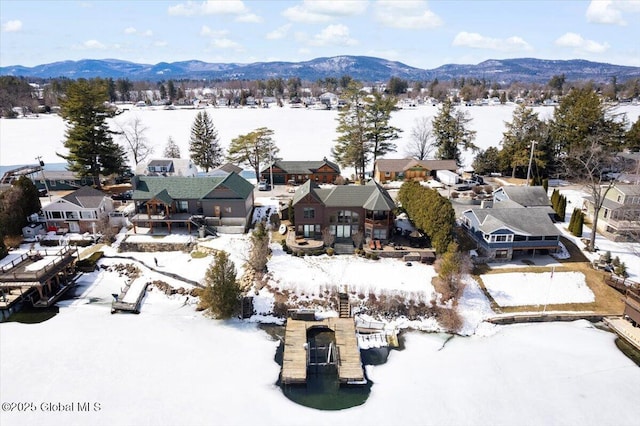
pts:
[545, 288]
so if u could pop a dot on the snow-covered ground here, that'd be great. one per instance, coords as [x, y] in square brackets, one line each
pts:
[546, 288]
[629, 253]
[300, 134]
[172, 365]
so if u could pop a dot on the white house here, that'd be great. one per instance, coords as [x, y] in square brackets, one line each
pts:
[168, 167]
[79, 211]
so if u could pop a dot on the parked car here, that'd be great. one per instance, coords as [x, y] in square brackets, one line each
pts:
[263, 185]
[122, 196]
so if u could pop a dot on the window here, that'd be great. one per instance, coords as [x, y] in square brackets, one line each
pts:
[309, 213]
[387, 174]
[345, 216]
[551, 238]
[183, 206]
[519, 238]
[72, 215]
[606, 213]
[501, 238]
[55, 215]
[227, 209]
[88, 215]
[502, 254]
[309, 231]
[619, 198]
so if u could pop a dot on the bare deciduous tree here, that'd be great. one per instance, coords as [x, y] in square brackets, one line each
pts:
[133, 133]
[327, 238]
[422, 142]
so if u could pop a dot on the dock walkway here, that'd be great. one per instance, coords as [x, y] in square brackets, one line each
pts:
[625, 330]
[130, 298]
[295, 358]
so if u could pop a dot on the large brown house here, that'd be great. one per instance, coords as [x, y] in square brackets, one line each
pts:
[344, 210]
[388, 169]
[298, 172]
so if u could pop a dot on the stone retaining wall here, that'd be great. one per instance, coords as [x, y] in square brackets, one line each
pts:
[126, 246]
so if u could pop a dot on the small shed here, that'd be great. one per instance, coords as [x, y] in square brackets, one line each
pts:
[32, 230]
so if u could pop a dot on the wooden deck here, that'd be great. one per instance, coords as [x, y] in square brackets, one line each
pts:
[295, 358]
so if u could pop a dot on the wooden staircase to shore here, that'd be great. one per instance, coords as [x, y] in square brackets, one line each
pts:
[344, 307]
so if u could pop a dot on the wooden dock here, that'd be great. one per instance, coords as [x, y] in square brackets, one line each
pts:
[296, 355]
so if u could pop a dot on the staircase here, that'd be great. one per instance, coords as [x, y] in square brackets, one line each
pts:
[344, 308]
[343, 248]
[200, 222]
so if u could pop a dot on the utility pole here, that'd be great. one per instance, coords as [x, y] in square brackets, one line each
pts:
[44, 180]
[533, 144]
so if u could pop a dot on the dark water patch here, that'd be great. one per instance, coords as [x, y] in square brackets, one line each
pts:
[323, 391]
[629, 350]
[31, 315]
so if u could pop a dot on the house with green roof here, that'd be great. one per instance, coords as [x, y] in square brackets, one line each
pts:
[298, 172]
[222, 202]
[343, 210]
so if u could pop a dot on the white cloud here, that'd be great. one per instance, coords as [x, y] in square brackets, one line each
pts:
[406, 15]
[93, 45]
[250, 18]
[333, 35]
[210, 7]
[130, 30]
[279, 32]
[224, 43]
[208, 32]
[580, 44]
[160, 43]
[611, 11]
[478, 41]
[317, 11]
[147, 33]
[12, 26]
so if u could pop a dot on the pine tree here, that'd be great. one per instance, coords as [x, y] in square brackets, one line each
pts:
[204, 145]
[259, 254]
[222, 293]
[524, 129]
[554, 199]
[92, 151]
[379, 132]
[545, 184]
[352, 146]
[255, 149]
[451, 133]
[171, 150]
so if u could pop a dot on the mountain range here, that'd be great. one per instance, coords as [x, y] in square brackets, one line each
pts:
[363, 68]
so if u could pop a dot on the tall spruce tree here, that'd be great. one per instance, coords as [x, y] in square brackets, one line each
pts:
[352, 146]
[524, 129]
[451, 133]
[222, 293]
[204, 145]
[379, 132]
[92, 151]
[171, 149]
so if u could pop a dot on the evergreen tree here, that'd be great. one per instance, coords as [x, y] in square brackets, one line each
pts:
[587, 136]
[16, 204]
[545, 184]
[92, 151]
[352, 146]
[204, 145]
[632, 137]
[259, 254]
[171, 150]
[524, 129]
[222, 293]
[577, 228]
[487, 161]
[255, 149]
[379, 132]
[451, 133]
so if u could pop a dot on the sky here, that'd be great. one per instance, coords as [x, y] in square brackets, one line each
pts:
[423, 34]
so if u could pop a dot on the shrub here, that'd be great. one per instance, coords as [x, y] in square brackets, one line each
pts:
[454, 194]
[330, 251]
[198, 254]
